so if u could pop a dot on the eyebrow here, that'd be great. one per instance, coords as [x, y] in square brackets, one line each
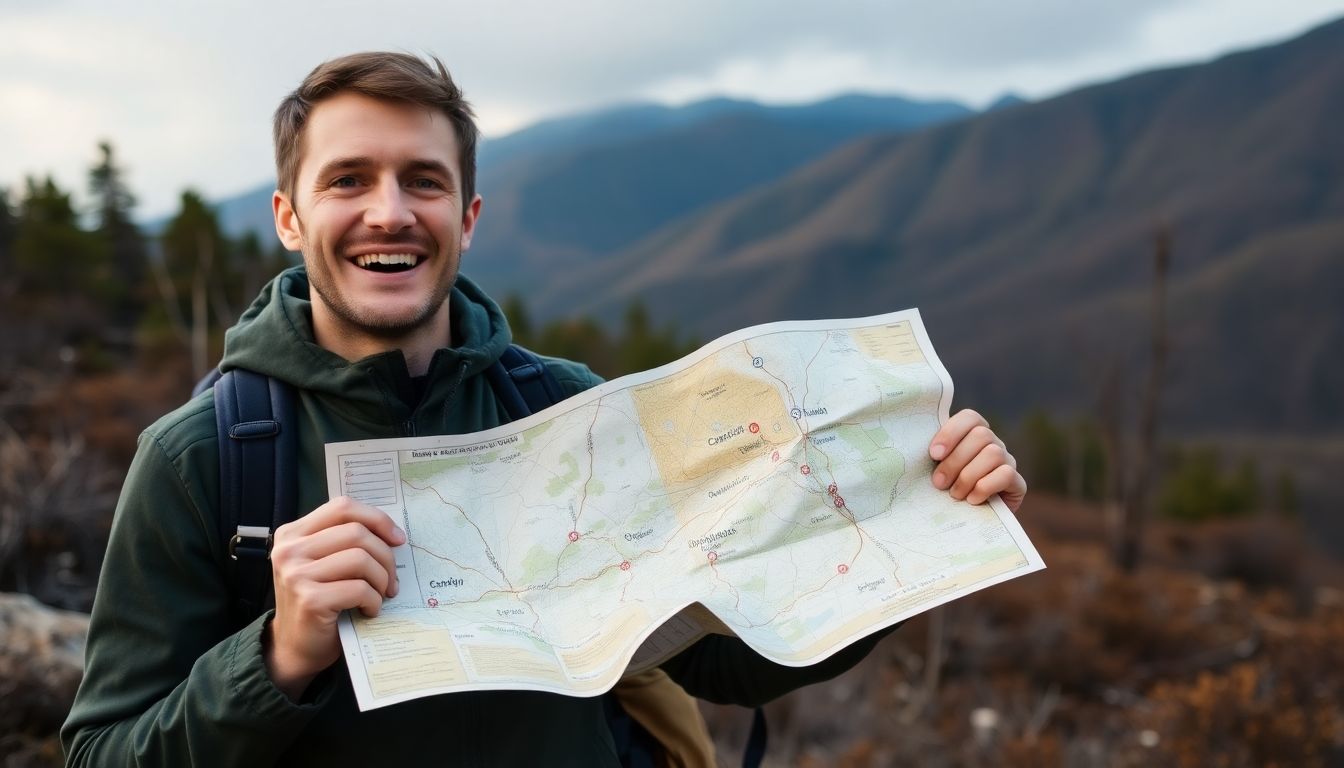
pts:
[343, 164]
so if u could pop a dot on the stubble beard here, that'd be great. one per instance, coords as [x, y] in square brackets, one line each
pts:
[356, 321]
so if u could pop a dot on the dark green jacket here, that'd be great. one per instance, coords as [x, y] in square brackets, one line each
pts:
[171, 681]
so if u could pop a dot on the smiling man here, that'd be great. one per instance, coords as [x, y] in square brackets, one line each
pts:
[380, 336]
[382, 214]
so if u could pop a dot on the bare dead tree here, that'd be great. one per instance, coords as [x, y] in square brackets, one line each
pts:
[1131, 492]
[168, 293]
[27, 486]
[933, 668]
[200, 320]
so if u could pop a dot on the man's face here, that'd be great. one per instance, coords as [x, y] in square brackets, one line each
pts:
[378, 213]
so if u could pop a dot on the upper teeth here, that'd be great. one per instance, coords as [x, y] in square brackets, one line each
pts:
[385, 258]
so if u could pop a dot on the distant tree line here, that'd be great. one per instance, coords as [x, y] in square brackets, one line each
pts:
[635, 346]
[1195, 483]
[90, 287]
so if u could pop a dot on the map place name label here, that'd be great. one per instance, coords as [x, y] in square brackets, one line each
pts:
[713, 392]
[639, 534]
[726, 436]
[708, 541]
[450, 582]
[871, 585]
[921, 584]
[728, 487]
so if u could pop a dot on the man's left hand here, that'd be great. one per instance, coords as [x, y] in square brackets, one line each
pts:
[973, 463]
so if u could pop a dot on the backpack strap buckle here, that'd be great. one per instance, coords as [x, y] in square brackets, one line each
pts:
[252, 542]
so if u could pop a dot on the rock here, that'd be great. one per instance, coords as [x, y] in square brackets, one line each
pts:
[41, 662]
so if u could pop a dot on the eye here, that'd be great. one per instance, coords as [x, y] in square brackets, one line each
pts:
[344, 182]
[426, 183]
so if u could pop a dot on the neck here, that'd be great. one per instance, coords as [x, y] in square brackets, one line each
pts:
[418, 345]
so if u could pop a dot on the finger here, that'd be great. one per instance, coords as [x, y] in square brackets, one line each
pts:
[953, 431]
[341, 510]
[318, 603]
[1004, 480]
[970, 446]
[990, 458]
[342, 566]
[357, 593]
[328, 541]
[1015, 493]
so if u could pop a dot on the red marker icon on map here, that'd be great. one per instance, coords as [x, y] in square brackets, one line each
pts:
[573, 535]
[842, 569]
[432, 602]
[754, 427]
[805, 469]
[625, 565]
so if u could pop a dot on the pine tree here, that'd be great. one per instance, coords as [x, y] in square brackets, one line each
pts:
[121, 239]
[520, 322]
[52, 254]
[53, 283]
[641, 347]
[196, 277]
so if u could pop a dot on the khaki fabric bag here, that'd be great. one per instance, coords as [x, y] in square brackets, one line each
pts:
[670, 715]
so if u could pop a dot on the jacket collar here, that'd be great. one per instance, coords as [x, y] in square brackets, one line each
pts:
[275, 337]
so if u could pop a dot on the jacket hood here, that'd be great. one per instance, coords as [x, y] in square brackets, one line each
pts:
[275, 337]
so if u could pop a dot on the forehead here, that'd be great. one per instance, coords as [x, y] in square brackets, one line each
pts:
[388, 133]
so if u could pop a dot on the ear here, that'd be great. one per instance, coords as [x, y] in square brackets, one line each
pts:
[287, 224]
[469, 216]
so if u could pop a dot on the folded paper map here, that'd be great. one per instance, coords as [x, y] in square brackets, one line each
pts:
[773, 485]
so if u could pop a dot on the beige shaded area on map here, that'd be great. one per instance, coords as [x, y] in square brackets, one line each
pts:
[617, 633]
[502, 662]
[698, 423]
[403, 655]
[895, 343]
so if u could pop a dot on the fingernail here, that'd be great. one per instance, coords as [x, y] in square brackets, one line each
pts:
[396, 587]
[400, 535]
[938, 451]
[938, 479]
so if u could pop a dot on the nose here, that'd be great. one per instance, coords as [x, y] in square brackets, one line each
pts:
[387, 209]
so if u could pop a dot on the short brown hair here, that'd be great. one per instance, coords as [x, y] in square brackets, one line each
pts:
[397, 77]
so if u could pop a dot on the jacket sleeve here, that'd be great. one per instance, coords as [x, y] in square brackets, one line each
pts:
[725, 670]
[167, 680]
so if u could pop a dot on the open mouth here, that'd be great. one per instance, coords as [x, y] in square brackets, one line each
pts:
[387, 262]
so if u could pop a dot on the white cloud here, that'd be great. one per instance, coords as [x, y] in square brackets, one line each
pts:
[185, 90]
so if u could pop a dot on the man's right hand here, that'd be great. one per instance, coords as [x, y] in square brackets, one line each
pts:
[338, 557]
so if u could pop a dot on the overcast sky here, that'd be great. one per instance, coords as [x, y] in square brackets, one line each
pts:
[184, 89]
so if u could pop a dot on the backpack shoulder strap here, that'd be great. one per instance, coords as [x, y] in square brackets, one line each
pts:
[254, 416]
[523, 383]
[207, 381]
